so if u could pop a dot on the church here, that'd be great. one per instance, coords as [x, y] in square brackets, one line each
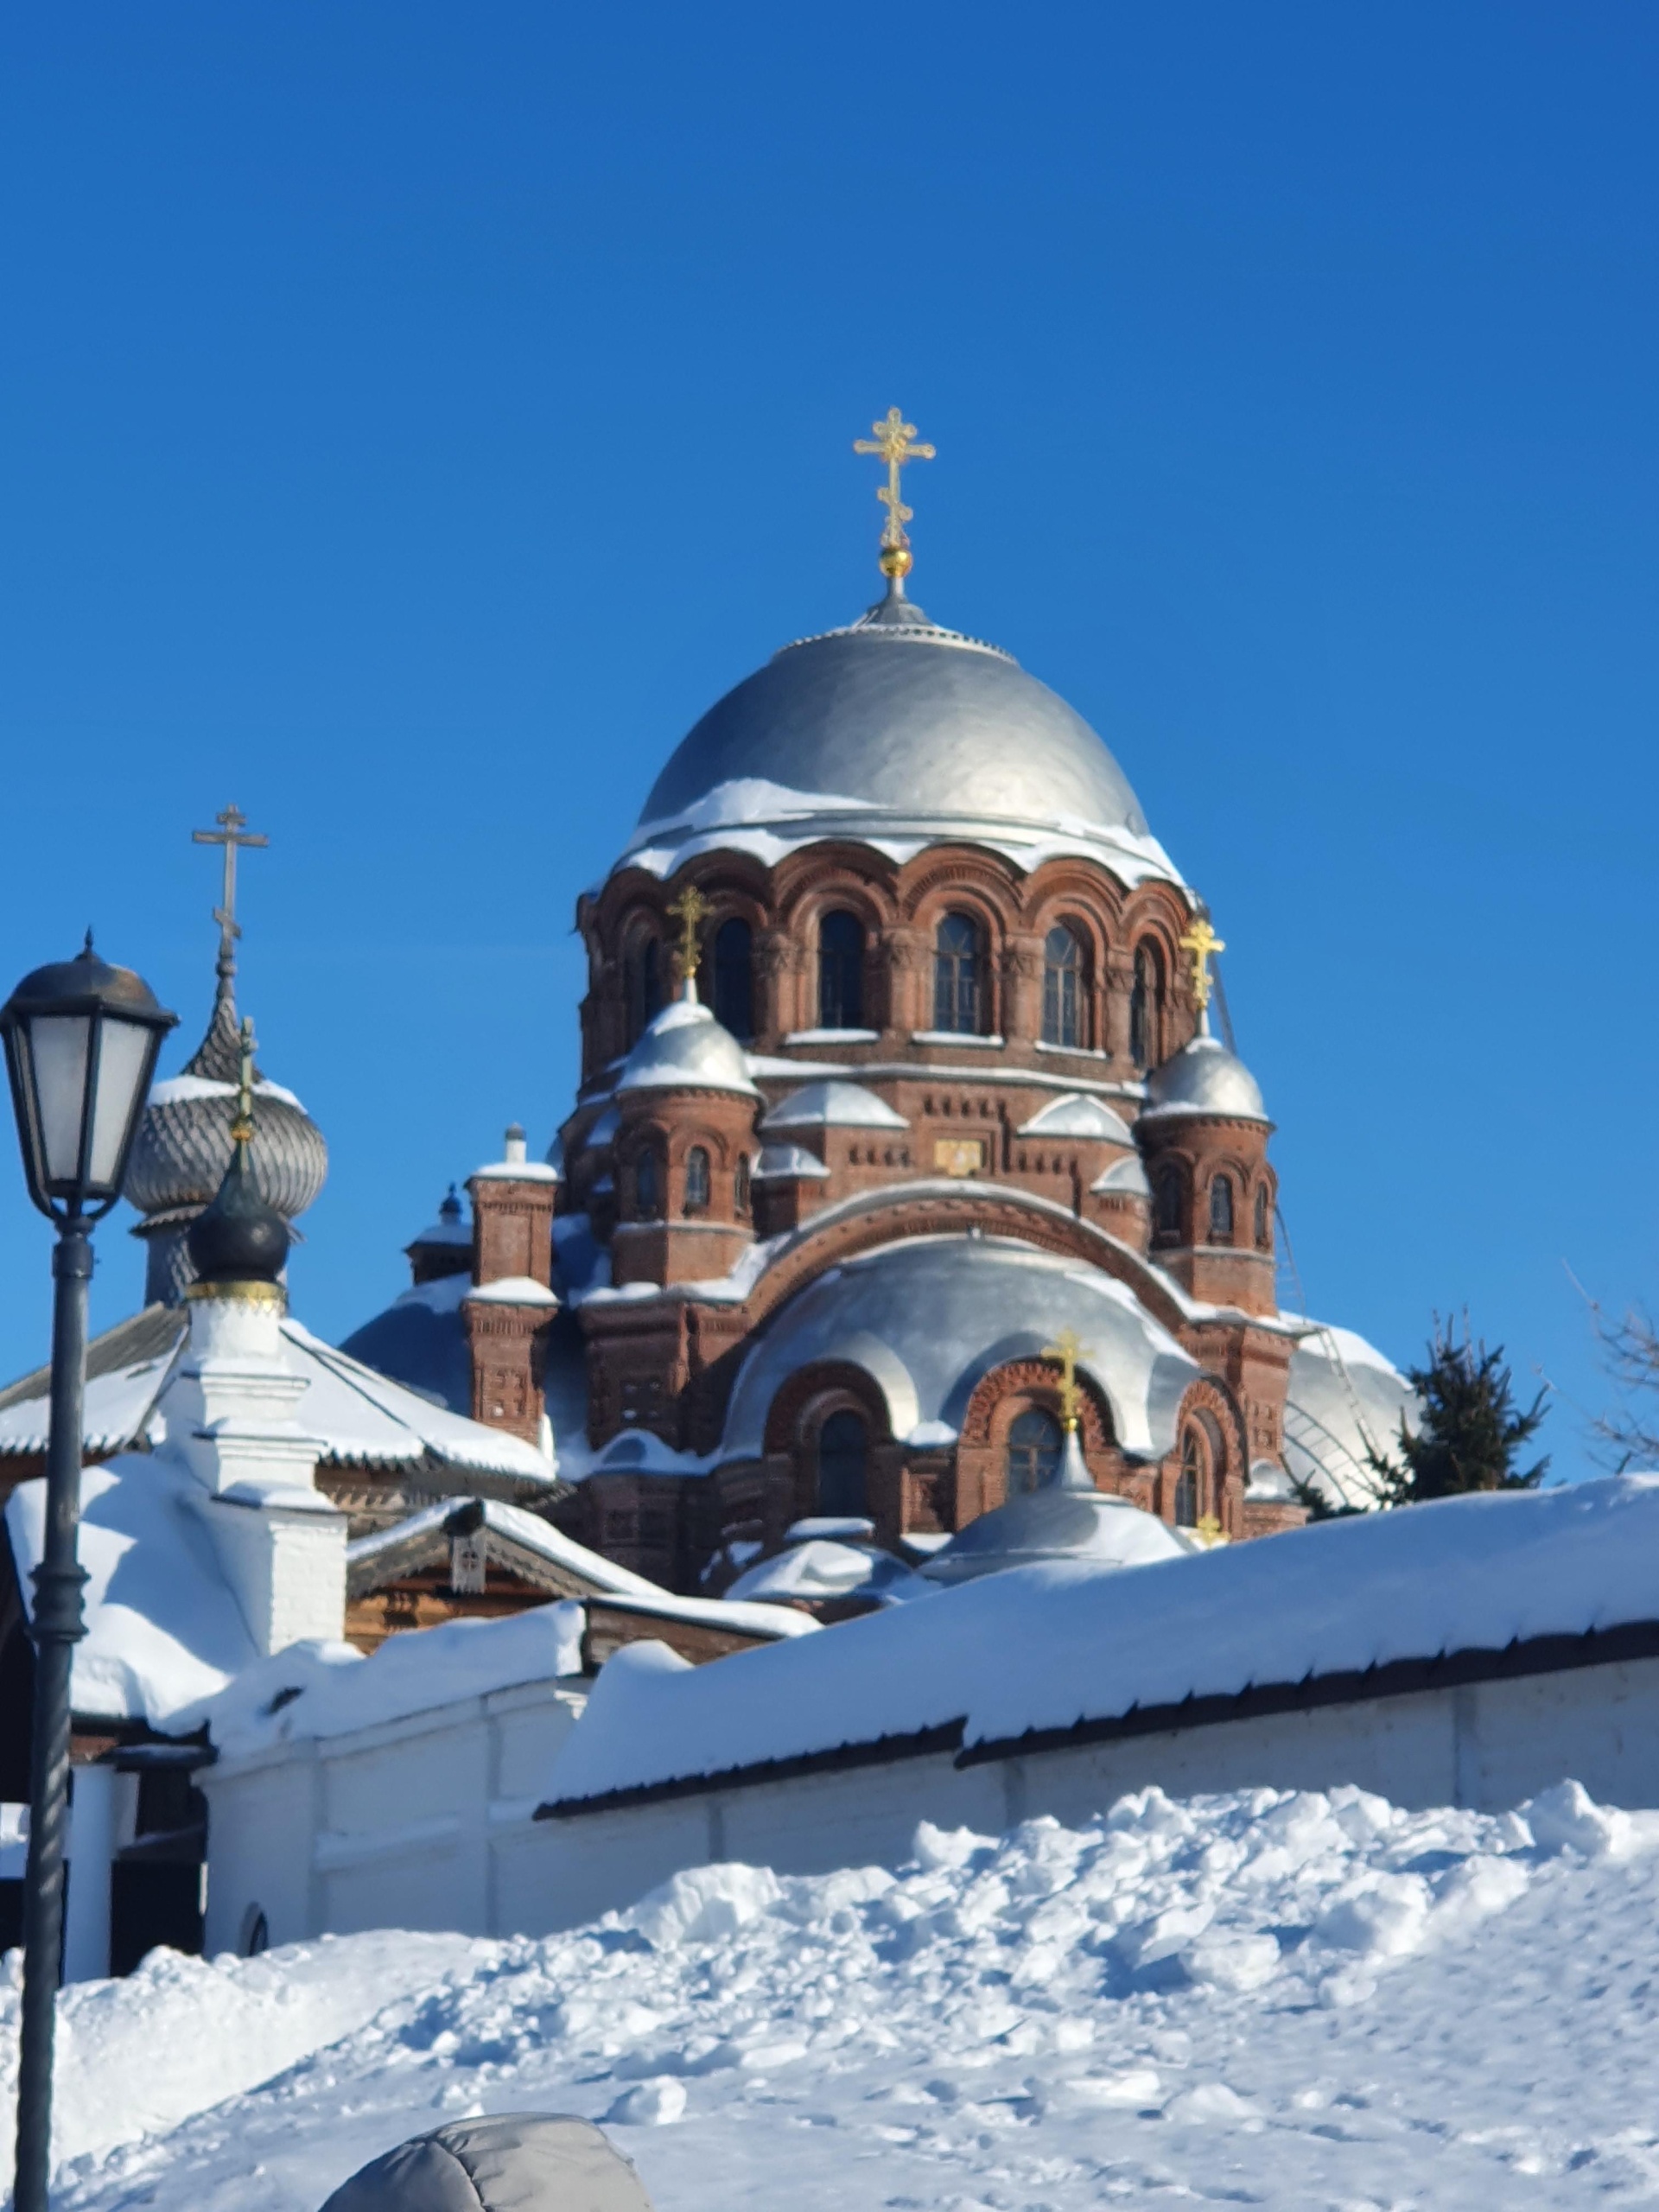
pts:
[903, 1143]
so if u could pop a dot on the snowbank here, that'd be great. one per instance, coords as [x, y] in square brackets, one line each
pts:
[1045, 1648]
[1290, 1998]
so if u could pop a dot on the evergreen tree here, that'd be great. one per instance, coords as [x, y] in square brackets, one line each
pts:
[1470, 1431]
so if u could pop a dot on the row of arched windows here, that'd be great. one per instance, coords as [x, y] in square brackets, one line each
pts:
[962, 997]
[647, 1181]
[1169, 1209]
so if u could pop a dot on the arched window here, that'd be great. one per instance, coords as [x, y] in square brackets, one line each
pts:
[735, 979]
[1168, 1201]
[1062, 987]
[1146, 1008]
[958, 992]
[647, 1188]
[843, 1454]
[1035, 1444]
[841, 972]
[1263, 1220]
[642, 977]
[741, 1184]
[696, 1179]
[1189, 1483]
[1221, 1209]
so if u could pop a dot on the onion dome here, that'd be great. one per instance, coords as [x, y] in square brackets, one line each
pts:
[239, 1239]
[184, 1147]
[1204, 1078]
[1066, 1518]
[685, 1048]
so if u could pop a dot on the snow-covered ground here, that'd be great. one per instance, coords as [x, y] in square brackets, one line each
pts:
[1296, 2000]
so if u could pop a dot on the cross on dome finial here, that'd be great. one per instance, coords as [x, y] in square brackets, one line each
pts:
[690, 910]
[894, 442]
[1068, 1348]
[1202, 942]
[232, 822]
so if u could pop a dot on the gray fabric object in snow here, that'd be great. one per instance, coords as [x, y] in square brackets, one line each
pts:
[521, 2162]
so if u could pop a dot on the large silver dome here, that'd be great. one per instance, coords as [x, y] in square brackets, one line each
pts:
[938, 734]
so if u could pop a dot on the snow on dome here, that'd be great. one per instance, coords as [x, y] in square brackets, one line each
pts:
[894, 728]
[1204, 1078]
[685, 1048]
[1064, 1518]
[833, 1105]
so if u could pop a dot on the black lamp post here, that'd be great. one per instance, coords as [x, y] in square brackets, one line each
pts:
[81, 1040]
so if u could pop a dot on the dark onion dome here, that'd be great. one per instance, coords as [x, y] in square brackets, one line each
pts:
[239, 1238]
[894, 728]
[183, 1149]
[1204, 1078]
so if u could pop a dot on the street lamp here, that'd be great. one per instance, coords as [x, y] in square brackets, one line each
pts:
[81, 1040]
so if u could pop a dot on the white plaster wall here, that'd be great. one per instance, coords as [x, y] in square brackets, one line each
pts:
[398, 1825]
[427, 1821]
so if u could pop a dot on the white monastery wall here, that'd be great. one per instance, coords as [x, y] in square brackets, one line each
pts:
[427, 1822]
[402, 1825]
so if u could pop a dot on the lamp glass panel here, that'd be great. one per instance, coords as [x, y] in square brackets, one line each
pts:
[122, 1056]
[58, 1049]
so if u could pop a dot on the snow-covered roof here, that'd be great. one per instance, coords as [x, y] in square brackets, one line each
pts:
[362, 1417]
[1072, 1114]
[1343, 1399]
[372, 1557]
[1126, 1174]
[820, 1568]
[925, 1317]
[163, 1627]
[1044, 1650]
[126, 1367]
[509, 1290]
[832, 1105]
[789, 1163]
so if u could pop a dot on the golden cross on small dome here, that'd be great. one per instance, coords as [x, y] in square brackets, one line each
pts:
[242, 1127]
[1203, 943]
[1068, 1348]
[690, 910]
[894, 442]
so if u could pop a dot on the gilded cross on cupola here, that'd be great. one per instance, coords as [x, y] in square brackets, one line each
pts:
[1202, 943]
[232, 833]
[894, 442]
[1068, 1348]
[690, 910]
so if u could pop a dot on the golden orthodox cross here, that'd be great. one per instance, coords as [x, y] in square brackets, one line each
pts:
[230, 834]
[1068, 1349]
[894, 442]
[242, 1127]
[690, 910]
[1203, 943]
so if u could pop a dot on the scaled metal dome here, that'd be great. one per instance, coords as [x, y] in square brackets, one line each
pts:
[897, 730]
[184, 1147]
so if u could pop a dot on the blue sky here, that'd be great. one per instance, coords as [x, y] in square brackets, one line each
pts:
[411, 418]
